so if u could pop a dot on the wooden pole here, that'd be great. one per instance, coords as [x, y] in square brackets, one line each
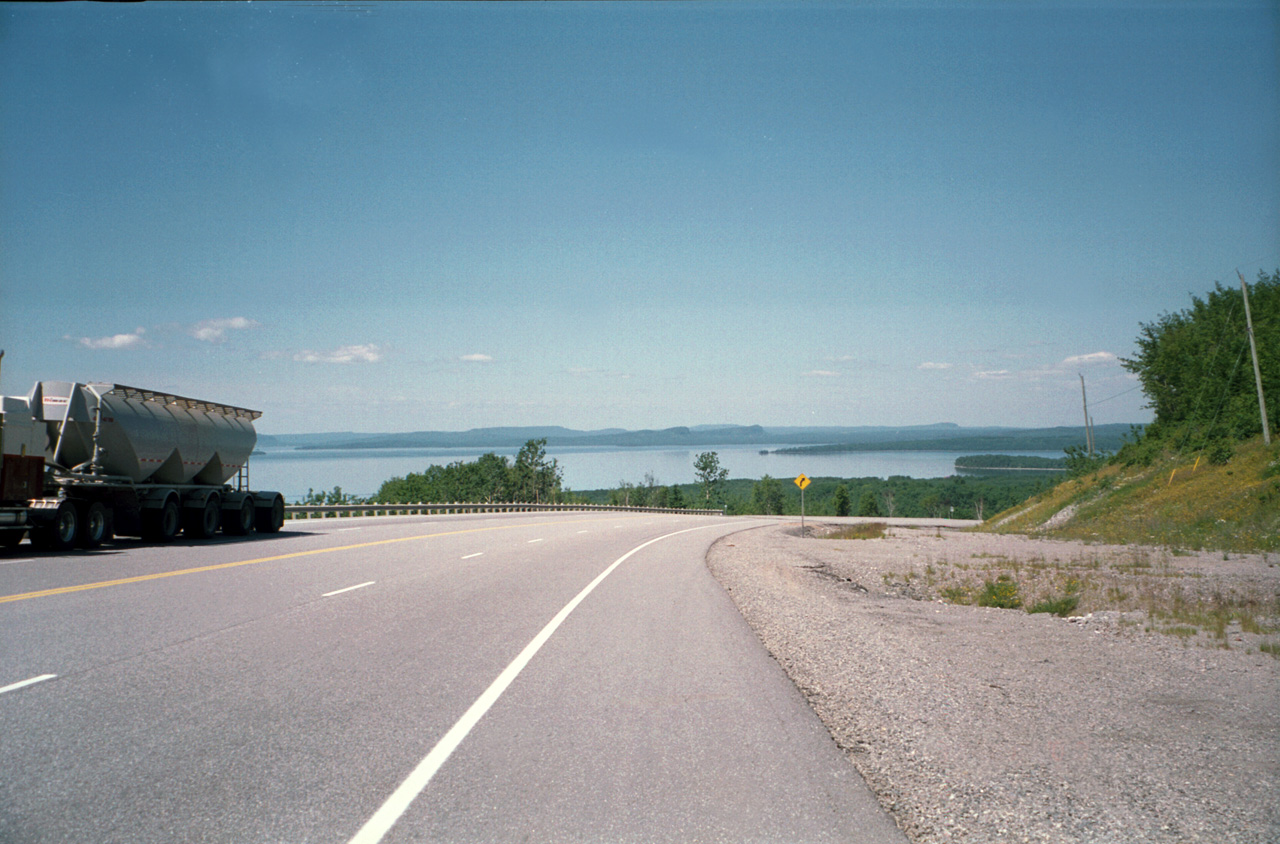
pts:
[802, 512]
[1088, 429]
[1257, 372]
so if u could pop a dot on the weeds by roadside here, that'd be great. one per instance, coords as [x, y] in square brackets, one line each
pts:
[1155, 590]
[864, 530]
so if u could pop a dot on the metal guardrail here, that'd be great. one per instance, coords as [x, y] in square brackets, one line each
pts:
[320, 511]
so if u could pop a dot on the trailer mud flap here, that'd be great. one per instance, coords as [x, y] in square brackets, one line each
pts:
[21, 478]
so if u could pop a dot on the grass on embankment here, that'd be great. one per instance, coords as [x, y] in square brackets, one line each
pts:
[1175, 502]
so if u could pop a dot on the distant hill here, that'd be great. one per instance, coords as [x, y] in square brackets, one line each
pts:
[1106, 438]
[936, 437]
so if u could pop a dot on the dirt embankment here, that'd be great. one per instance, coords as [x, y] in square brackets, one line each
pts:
[994, 725]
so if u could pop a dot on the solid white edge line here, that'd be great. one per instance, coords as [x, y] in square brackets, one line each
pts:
[476, 554]
[348, 589]
[13, 687]
[389, 812]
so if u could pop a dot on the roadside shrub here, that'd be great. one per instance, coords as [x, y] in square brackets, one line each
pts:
[840, 500]
[1080, 462]
[1001, 593]
[1219, 451]
[1061, 607]
[1141, 447]
[864, 530]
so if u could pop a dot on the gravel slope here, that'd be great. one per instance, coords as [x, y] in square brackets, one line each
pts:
[975, 724]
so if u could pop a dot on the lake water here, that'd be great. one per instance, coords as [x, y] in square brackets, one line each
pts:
[362, 471]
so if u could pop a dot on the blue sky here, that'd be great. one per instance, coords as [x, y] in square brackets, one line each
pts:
[408, 217]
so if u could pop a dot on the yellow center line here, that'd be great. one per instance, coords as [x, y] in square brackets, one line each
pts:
[142, 578]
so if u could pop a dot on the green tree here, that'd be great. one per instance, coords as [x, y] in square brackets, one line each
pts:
[493, 478]
[659, 496]
[766, 496]
[650, 487]
[675, 498]
[867, 505]
[889, 497]
[1194, 365]
[840, 500]
[625, 495]
[334, 496]
[710, 475]
[536, 478]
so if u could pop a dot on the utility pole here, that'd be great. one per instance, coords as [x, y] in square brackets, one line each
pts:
[1257, 372]
[1088, 428]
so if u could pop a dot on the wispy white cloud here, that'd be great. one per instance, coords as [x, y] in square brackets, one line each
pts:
[821, 373]
[933, 365]
[343, 354]
[1055, 371]
[115, 341]
[476, 358]
[215, 330]
[1092, 357]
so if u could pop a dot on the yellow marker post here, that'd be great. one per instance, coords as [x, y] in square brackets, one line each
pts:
[802, 482]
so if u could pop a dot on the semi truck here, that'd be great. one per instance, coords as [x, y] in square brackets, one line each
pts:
[83, 462]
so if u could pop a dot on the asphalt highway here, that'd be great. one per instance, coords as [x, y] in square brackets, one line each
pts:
[513, 677]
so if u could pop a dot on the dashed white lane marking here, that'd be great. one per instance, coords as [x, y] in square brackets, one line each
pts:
[13, 687]
[531, 541]
[348, 589]
[396, 805]
[345, 530]
[582, 531]
[476, 554]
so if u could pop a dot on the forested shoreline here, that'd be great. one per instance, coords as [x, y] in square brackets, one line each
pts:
[898, 496]
[1002, 462]
[532, 477]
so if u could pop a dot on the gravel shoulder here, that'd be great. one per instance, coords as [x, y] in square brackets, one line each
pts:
[991, 725]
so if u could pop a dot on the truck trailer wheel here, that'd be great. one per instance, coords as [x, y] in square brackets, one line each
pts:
[162, 525]
[270, 519]
[238, 522]
[60, 534]
[95, 526]
[203, 523]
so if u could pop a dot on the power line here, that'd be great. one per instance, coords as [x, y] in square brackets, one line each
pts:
[1118, 395]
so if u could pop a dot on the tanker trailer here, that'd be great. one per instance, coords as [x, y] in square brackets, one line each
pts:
[82, 462]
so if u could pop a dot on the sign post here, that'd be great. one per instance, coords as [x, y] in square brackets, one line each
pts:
[802, 482]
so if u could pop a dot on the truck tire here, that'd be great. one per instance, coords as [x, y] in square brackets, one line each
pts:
[203, 523]
[60, 534]
[238, 522]
[162, 525]
[270, 519]
[95, 526]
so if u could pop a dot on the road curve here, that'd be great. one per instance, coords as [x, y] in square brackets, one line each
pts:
[568, 677]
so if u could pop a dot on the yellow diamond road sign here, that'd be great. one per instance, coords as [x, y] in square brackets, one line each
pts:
[803, 481]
